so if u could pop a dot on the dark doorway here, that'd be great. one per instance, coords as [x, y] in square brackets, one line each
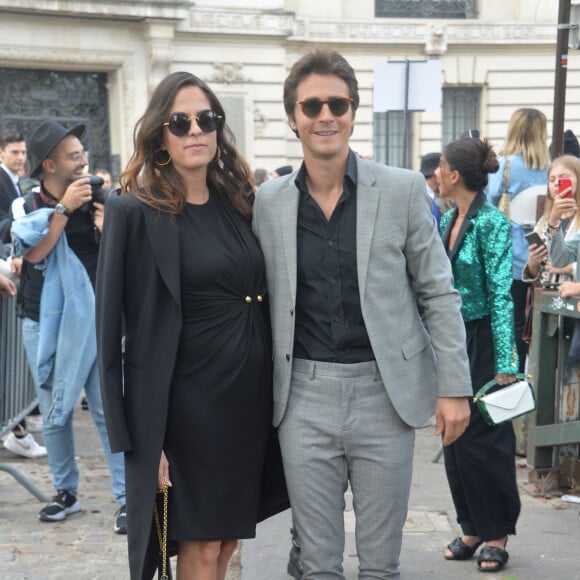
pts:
[28, 97]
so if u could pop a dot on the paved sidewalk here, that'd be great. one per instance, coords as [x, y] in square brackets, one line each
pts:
[85, 547]
[82, 547]
[547, 545]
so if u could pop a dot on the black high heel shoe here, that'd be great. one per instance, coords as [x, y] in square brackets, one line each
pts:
[498, 556]
[461, 550]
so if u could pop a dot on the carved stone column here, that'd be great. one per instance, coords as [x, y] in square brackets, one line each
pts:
[159, 35]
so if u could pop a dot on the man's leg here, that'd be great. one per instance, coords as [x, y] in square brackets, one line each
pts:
[314, 464]
[294, 567]
[115, 461]
[380, 458]
[59, 440]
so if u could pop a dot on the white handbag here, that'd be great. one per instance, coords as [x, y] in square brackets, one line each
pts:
[506, 403]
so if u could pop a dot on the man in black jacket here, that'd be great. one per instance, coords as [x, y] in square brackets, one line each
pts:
[12, 162]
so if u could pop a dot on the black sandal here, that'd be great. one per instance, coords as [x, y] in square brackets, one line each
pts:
[492, 554]
[461, 550]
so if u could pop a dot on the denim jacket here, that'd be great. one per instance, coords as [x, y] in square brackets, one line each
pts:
[521, 177]
[67, 347]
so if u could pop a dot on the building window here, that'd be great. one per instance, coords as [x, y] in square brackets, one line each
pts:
[460, 112]
[426, 8]
[391, 142]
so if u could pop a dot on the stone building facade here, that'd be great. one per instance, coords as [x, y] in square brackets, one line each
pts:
[98, 62]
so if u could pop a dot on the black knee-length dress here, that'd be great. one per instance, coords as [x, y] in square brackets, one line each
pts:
[219, 420]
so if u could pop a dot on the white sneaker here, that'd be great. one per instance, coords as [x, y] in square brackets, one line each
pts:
[27, 446]
[34, 423]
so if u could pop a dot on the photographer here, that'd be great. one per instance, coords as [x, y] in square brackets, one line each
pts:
[55, 229]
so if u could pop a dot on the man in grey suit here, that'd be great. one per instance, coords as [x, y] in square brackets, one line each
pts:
[367, 330]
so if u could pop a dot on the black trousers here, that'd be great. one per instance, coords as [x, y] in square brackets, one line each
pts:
[480, 465]
[519, 291]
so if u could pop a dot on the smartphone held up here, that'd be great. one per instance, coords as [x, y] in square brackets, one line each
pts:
[565, 187]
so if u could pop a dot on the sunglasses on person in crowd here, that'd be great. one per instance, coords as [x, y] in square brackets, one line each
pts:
[338, 106]
[180, 123]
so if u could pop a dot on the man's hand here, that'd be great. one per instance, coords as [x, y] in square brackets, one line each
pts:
[16, 266]
[7, 287]
[77, 193]
[452, 414]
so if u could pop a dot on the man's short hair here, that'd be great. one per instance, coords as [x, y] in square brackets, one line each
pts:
[429, 164]
[8, 136]
[321, 62]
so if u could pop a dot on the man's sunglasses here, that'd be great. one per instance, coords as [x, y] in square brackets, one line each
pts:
[338, 106]
[180, 123]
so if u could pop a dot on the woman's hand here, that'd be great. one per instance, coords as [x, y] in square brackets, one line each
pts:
[568, 289]
[504, 379]
[569, 269]
[538, 253]
[562, 206]
[99, 215]
[163, 473]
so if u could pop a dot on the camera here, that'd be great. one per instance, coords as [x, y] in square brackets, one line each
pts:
[98, 193]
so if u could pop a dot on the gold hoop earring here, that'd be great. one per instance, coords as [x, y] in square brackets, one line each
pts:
[162, 163]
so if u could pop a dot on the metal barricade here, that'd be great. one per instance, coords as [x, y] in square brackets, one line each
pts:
[554, 429]
[17, 394]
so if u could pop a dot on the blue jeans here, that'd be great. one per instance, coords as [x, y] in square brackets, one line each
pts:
[59, 441]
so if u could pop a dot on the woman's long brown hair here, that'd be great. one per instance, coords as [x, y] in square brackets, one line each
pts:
[161, 186]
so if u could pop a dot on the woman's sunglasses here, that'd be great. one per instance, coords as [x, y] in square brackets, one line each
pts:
[338, 106]
[180, 123]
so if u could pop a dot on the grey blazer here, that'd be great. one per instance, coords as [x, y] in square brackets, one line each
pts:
[411, 311]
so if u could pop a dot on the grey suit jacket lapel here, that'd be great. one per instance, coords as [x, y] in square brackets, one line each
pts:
[367, 202]
[289, 226]
[164, 237]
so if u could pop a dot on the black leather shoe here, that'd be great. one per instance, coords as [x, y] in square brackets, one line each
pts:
[294, 568]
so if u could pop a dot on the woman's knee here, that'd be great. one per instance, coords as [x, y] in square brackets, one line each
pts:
[228, 547]
[204, 552]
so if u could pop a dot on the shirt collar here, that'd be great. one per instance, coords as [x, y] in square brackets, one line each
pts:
[13, 176]
[350, 174]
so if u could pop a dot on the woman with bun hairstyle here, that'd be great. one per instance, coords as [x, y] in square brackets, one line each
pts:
[480, 465]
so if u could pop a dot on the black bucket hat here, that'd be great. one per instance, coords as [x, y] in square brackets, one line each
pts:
[284, 170]
[429, 164]
[45, 139]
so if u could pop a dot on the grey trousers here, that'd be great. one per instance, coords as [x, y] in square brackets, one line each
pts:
[341, 427]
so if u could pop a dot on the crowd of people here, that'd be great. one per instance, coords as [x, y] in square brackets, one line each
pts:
[249, 341]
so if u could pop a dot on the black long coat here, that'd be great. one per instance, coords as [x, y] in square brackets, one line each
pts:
[7, 195]
[138, 280]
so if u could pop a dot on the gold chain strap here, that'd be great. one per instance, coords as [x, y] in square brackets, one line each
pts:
[162, 532]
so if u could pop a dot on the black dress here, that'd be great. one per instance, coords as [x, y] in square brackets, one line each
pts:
[219, 420]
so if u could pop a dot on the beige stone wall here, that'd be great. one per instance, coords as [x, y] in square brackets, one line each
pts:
[245, 53]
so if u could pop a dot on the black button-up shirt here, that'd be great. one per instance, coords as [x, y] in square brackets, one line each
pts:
[329, 323]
